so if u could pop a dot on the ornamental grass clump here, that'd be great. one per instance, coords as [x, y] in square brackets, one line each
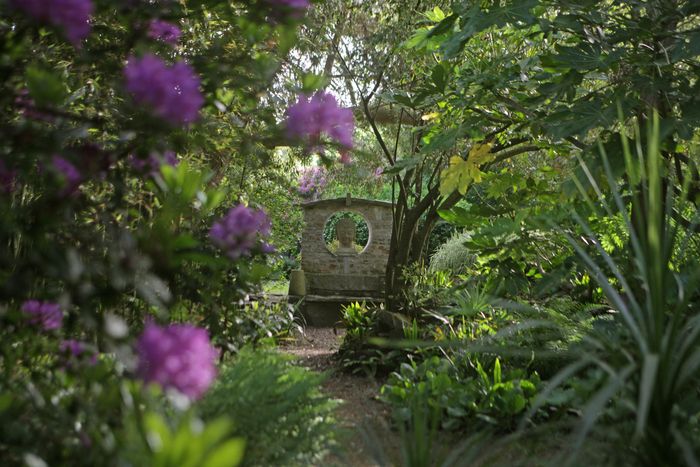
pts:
[242, 232]
[650, 365]
[178, 356]
[171, 92]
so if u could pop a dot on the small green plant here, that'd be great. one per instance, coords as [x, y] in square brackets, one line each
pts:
[358, 319]
[277, 407]
[188, 442]
[460, 395]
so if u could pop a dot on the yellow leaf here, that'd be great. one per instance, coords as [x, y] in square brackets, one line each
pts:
[455, 177]
[480, 154]
[430, 116]
[461, 173]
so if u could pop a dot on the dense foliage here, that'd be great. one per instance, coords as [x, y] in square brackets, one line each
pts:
[542, 276]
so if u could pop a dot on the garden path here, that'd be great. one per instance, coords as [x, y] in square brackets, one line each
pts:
[360, 410]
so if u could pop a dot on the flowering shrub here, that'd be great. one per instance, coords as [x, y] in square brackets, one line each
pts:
[241, 232]
[312, 182]
[72, 17]
[95, 95]
[310, 118]
[171, 92]
[178, 356]
[48, 316]
[164, 31]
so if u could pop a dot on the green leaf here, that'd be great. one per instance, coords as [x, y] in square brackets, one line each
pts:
[45, 87]
[229, 454]
[436, 15]
[646, 390]
[311, 82]
[444, 26]
[439, 76]
[157, 432]
[458, 216]
[403, 164]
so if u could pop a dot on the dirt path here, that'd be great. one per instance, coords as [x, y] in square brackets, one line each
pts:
[315, 349]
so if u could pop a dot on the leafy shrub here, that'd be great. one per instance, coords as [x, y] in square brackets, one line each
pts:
[357, 354]
[462, 395]
[424, 289]
[249, 322]
[649, 361]
[277, 407]
[453, 255]
[359, 320]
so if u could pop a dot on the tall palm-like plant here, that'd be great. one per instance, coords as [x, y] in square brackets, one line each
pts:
[655, 294]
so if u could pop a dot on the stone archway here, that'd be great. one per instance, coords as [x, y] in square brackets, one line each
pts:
[346, 275]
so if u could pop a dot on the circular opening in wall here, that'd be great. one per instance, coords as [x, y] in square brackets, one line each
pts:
[346, 233]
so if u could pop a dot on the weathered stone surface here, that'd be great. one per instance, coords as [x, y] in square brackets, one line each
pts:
[342, 274]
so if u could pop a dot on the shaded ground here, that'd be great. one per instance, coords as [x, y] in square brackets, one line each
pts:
[315, 349]
[361, 410]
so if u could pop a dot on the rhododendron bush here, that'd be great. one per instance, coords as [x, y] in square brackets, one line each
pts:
[122, 247]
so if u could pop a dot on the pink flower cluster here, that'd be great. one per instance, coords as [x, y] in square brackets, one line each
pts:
[241, 232]
[153, 162]
[310, 118]
[171, 91]
[71, 16]
[177, 356]
[312, 182]
[164, 31]
[47, 315]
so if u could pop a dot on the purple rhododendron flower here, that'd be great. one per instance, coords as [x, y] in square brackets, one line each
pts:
[71, 16]
[46, 315]
[73, 347]
[242, 231]
[378, 172]
[177, 356]
[164, 31]
[293, 4]
[309, 118]
[69, 173]
[172, 92]
[153, 162]
[8, 178]
[312, 182]
[73, 350]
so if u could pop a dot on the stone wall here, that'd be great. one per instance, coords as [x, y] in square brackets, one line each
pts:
[330, 274]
